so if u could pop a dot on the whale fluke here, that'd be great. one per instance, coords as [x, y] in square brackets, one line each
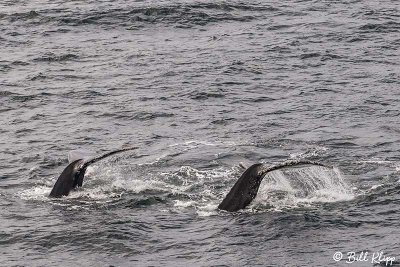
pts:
[246, 188]
[73, 174]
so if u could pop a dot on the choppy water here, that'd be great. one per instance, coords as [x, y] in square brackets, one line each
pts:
[199, 86]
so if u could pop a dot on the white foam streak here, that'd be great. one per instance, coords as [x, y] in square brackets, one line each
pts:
[198, 143]
[40, 192]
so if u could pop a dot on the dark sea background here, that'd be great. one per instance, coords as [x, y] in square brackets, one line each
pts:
[199, 87]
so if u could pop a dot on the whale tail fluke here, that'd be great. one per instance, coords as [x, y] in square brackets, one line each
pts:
[79, 180]
[72, 176]
[246, 188]
[65, 181]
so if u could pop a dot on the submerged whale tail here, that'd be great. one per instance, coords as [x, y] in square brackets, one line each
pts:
[246, 188]
[73, 174]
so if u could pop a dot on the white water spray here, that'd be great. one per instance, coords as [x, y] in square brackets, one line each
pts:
[292, 187]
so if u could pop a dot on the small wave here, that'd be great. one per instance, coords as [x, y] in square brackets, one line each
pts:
[374, 187]
[21, 16]
[51, 57]
[6, 93]
[386, 27]
[20, 63]
[377, 161]
[5, 67]
[144, 116]
[279, 27]
[25, 98]
[39, 76]
[199, 143]
[205, 95]
[380, 162]
[178, 15]
[224, 121]
[328, 56]
[322, 56]
[309, 153]
[260, 99]
[309, 55]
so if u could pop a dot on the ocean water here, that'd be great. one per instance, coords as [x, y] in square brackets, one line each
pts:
[200, 87]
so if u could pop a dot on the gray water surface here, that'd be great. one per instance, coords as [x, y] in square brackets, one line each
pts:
[199, 86]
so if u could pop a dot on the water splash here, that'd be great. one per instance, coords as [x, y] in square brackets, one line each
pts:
[39, 192]
[301, 187]
[202, 190]
[183, 188]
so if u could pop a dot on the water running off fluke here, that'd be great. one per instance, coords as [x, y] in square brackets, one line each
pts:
[73, 174]
[291, 187]
[318, 182]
